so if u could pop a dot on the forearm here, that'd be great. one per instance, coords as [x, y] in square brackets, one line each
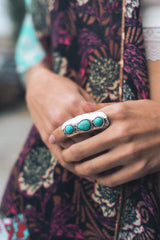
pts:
[154, 79]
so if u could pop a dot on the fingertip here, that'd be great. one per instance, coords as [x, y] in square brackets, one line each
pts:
[52, 139]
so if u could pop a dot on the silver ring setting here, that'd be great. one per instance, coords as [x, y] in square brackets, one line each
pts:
[85, 123]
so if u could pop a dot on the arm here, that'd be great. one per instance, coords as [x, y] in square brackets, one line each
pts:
[154, 73]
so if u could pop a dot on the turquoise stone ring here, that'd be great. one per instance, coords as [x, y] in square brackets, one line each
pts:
[85, 123]
[98, 121]
[69, 129]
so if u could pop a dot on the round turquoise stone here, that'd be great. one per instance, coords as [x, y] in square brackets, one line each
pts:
[84, 125]
[98, 121]
[69, 129]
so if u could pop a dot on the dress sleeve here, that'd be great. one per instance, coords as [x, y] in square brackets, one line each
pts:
[33, 43]
[29, 50]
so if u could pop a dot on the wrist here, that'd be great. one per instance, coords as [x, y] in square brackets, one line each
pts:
[34, 73]
[38, 74]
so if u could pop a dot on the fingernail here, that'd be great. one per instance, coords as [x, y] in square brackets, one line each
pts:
[52, 139]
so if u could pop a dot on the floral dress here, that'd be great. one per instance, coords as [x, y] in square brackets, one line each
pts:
[99, 45]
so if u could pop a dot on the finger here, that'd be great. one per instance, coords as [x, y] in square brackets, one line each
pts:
[67, 143]
[91, 107]
[56, 150]
[82, 137]
[126, 174]
[81, 124]
[86, 96]
[103, 141]
[57, 136]
[104, 161]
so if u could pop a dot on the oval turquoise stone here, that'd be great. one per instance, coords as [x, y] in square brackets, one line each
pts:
[98, 121]
[84, 125]
[69, 129]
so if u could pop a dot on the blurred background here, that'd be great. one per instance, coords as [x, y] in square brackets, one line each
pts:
[15, 120]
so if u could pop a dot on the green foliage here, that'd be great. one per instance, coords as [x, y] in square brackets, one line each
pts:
[16, 10]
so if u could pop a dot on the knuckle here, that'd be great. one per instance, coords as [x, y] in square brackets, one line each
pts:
[122, 131]
[143, 166]
[131, 149]
[65, 157]
[120, 110]
[57, 118]
[88, 169]
[74, 152]
[84, 170]
[72, 100]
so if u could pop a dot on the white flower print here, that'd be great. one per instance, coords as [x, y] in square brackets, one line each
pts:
[107, 198]
[37, 171]
[82, 2]
[3, 232]
[131, 223]
[130, 6]
[135, 3]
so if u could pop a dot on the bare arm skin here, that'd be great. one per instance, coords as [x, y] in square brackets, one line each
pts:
[154, 75]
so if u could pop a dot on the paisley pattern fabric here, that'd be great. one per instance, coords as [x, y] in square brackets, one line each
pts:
[99, 45]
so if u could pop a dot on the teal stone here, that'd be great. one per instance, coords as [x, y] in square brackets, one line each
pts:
[84, 125]
[98, 121]
[69, 129]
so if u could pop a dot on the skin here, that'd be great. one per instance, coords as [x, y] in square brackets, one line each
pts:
[62, 102]
[128, 149]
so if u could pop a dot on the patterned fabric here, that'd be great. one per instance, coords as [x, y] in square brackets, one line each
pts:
[14, 228]
[99, 45]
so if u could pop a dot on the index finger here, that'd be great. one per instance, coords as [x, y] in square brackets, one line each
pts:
[81, 124]
[57, 136]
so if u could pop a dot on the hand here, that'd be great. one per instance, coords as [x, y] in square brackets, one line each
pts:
[51, 100]
[127, 150]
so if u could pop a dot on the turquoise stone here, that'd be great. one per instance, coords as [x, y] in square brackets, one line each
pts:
[84, 125]
[98, 121]
[69, 129]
